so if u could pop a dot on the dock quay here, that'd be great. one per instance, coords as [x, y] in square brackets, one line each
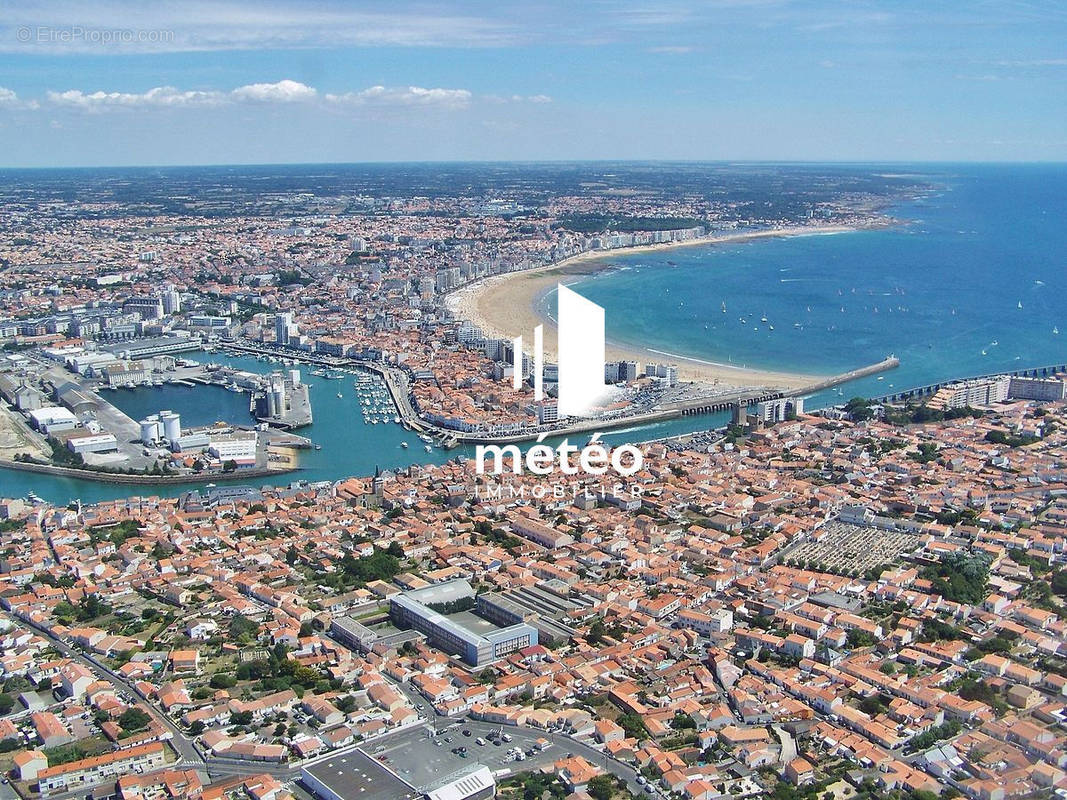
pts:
[282, 404]
[396, 382]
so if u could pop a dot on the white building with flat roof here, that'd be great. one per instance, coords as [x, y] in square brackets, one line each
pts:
[53, 418]
[239, 447]
[93, 443]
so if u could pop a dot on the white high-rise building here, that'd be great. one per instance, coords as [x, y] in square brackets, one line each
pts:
[283, 327]
[172, 301]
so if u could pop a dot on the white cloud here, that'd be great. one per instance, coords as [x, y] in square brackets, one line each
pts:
[161, 96]
[285, 91]
[405, 96]
[9, 99]
[169, 97]
[1035, 62]
[515, 98]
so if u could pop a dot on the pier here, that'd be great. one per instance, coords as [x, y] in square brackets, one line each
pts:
[888, 363]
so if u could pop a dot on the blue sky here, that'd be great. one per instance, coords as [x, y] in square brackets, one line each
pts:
[101, 83]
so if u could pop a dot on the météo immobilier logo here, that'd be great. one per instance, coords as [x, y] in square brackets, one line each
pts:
[580, 390]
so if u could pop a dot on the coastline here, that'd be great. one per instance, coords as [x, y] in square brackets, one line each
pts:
[143, 479]
[506, 306]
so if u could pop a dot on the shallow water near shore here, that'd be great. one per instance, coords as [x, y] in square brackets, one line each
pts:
[974, 282]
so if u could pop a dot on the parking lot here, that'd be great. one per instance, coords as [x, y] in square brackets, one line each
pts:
[425, 760]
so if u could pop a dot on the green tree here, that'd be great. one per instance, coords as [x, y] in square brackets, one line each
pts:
[134, 719]
[222, 680]
[601, 787]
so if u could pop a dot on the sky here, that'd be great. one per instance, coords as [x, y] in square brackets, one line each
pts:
[88, 83]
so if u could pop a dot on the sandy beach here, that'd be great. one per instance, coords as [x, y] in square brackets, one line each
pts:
[505, 306]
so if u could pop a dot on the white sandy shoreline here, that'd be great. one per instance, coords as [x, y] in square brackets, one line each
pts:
[506, 306]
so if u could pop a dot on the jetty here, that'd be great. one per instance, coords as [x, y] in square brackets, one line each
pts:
[887, 363]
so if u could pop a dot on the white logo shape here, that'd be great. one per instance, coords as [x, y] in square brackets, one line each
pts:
[581, 355]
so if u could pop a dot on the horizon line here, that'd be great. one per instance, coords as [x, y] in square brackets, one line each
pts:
[531, 162]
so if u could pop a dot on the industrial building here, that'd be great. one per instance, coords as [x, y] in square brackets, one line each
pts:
[155, 346]
[93, 443]
[122, 373]
[239, 447]
[76, 399]
[51, 419]
[476, 785]
[355, 775]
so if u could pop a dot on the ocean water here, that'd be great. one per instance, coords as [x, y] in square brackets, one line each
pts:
[973, 281]
[947, 284]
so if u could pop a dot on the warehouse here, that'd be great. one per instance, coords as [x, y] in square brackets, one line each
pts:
[93, 443]
[51, 419]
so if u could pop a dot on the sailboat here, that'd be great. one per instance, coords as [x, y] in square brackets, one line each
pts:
[1020, 304]
[723, 306]
[1056, 330]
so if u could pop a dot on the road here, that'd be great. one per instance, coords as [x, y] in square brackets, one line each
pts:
[789, 745]
[186, 749]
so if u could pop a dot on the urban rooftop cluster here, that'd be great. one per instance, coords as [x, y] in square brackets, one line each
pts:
[865, 606]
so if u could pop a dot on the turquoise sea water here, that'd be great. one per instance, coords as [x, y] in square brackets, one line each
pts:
[942, 291]
[947, 285]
